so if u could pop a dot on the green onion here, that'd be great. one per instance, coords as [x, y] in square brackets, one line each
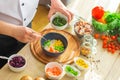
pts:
[71, 70]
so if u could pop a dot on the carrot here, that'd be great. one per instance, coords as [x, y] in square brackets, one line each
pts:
[51, 49]
[54, 71]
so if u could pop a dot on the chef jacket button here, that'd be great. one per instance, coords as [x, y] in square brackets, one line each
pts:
[24, 19]
[22, 4]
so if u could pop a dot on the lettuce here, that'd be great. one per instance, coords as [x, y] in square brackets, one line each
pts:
[98, 26]
[109, 17]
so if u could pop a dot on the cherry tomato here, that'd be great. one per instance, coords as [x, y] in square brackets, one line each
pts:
[97, 12]
[96, 36]
[113, 37]
[104, 42]
[103, 37]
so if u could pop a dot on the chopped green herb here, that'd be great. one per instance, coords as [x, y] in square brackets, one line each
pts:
[46, 43]
[71, 70]
[59, 48]
[59, 21]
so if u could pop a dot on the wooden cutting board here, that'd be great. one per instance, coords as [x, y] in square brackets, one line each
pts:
[73, 49]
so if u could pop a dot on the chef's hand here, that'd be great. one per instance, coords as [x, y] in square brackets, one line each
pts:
[25, 34]
[58, 6]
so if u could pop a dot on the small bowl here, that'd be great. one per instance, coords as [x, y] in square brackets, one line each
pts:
[51, 37]
[53, 67]
[82, 27]
[68, 69]
[81, 63]
[59, 21]
[17, 63]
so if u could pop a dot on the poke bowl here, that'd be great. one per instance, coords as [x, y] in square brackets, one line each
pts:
[53, 44]
[17, 63]
[59, 21]
[82, 27]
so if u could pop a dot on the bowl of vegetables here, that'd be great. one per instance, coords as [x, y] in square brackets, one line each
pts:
[81, 63]
[54, 70]
[17, 63]
[71, 71]
[59, 21]
[53, 44]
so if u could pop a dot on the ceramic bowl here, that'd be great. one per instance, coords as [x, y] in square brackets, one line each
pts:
[17, 63]
[59, 21]
[54, 71]
[82, 27]
[53, 36]
[71, 71]
[81, 63]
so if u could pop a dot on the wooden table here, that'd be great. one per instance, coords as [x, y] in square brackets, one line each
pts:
[108, 67]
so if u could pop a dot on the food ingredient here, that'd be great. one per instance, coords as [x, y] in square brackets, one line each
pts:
[53, 71]
[96, 35]
[17, 61]
[54, 46]
[82, 27]
[59, 21]
[80, 62]
[71, 70]
[26, 77]
[85, 48]
[109, 25]
[97, 12]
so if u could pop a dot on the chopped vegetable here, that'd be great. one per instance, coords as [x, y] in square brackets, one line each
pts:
[59, 21]
[54, 71]
[81, 63]
[54, 45]
[70, 70]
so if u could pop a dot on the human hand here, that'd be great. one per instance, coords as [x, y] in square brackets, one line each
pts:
[25, 34]
[58, 6]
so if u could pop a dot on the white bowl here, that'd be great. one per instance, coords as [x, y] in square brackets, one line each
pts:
[71, 74]
[49, 75]
[62, 16]
[13, 63]
[83, 64]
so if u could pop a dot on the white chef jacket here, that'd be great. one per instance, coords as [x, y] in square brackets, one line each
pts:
[19, 12]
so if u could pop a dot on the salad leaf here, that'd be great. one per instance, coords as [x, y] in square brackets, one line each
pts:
[47, 43]
[111, 17]
[100, 27]
[118, 39]
[114, 25]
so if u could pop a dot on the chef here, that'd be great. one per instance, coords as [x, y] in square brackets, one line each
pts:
[15, 15]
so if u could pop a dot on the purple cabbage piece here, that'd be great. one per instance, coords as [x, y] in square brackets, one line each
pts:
[17, 61]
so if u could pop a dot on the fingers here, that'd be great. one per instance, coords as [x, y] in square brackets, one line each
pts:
[32, 35]
[71, 14]
[62, 10]
[68, 14]
[51, 12]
